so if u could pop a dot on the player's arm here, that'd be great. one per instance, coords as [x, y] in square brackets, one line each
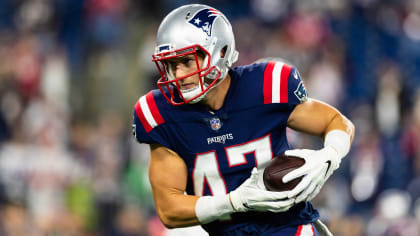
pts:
[317, 118]
[320, 119]
[168, 177]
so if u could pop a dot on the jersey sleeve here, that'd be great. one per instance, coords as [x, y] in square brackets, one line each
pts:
[148, 122]
[282, 84]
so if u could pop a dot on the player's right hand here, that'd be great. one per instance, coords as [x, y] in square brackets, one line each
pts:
[252, 196]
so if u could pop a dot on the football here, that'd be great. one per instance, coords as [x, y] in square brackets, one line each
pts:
[277, 169]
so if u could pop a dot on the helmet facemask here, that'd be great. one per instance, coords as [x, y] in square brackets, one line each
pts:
[208, 76]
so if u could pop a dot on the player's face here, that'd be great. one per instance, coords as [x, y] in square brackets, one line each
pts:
[185, 73]
[182, 66]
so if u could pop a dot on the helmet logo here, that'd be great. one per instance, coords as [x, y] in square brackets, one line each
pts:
[204, 19]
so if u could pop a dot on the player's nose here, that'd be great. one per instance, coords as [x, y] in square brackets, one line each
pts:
[180, 71]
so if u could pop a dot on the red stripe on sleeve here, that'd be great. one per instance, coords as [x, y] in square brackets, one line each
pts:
[142, 118]
[268, 82]
[284, 83]
[153, 108]
[299, 230]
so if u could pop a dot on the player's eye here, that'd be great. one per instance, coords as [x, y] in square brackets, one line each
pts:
[186, 61]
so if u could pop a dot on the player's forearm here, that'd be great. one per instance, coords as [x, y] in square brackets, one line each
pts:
[338, 136]
[318, 118]
[168, 178]
[340, 122]
[187, 210]
[329, 119]
[178, 211]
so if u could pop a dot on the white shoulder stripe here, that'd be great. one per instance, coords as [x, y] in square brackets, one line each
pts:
[146, 111]
[276, 76]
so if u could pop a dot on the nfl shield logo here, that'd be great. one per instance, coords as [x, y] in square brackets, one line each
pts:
[215, 123]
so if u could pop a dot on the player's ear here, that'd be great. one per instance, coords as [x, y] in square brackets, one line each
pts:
[223, 52]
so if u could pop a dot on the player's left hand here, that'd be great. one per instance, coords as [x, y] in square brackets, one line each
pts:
[319, 166]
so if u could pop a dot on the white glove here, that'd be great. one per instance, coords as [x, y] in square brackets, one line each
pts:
[252, 195]
[319, 166]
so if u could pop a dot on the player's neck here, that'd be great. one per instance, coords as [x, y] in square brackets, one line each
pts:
[215, 99]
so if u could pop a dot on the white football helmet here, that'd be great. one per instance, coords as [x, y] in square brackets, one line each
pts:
[189, 30]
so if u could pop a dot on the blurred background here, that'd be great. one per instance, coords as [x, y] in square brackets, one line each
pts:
[72, 70]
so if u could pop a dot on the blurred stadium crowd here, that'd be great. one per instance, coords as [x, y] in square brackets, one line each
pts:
[71, 71]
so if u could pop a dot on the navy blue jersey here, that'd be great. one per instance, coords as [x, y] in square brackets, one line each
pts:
[220, 148]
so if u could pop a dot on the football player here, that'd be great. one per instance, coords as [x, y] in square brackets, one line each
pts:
[212, 128]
